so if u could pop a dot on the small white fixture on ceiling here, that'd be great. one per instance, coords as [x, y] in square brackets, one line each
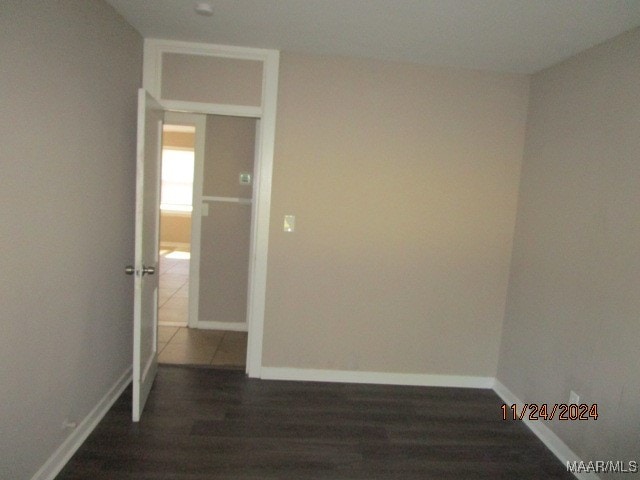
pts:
[203, 8]
[517, 36]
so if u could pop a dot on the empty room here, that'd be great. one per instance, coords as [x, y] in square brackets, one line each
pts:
[438, 272]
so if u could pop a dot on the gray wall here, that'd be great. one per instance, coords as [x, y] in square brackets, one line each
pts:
[572, 314]
[70, 70]
[403, 180]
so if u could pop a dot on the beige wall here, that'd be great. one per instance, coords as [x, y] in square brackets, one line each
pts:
[224, 263]
[178, 139]
[70, 73]
[404, 181]
[572, 316]
[230, 150]
[224, 247]
[199, 78]
[175, 228]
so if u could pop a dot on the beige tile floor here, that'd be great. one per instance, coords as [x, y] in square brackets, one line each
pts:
[173, 289]
[187, 346]
[178, 344]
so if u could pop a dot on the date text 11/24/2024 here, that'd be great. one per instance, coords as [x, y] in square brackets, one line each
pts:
[543, 411]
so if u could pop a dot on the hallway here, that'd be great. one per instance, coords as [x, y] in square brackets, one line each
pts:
[178, 344]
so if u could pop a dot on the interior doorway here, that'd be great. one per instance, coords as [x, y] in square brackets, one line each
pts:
[205, 239]
[176, 207]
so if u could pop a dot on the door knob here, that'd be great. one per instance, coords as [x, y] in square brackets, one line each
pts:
[148, 270]
[130, 270]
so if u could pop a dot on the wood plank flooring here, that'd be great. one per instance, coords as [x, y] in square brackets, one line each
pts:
[202, 423]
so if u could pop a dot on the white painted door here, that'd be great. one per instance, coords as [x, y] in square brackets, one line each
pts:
[145, 314]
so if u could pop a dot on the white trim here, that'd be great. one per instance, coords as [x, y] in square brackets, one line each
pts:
[260, 213]
[172, 324]
[52, 467]
[263, 165]
[161, 46]
[74, 441]
[378, 378]
[228, 326]
[152, 73]
[196, 218]
[169, 128]
[544, 433]
[242, 201]
[174, 213]
[175, 245]
[211, 108]
[173, 147]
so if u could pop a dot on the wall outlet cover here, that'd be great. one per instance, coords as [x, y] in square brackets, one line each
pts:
[245, 178]
[574, 398]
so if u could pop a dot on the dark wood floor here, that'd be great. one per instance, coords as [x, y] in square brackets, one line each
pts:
[211, 424]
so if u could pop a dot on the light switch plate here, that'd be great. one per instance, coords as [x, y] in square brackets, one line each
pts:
[204, 210]
[289, 223]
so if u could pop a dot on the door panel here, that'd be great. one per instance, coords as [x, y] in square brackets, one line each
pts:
[145, 354]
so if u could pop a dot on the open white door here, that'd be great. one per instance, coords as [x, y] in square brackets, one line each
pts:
[145, 313]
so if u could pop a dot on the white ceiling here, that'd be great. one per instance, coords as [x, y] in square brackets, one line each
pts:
[521, 36]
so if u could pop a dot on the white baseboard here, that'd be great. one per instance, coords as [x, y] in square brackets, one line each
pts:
[63, 454]
[381, 378]
[172, 324]
[176, 245]
[229, 326]
[550, 439]
[544, 433]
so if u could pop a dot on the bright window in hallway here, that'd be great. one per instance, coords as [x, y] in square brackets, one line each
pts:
[177, 180]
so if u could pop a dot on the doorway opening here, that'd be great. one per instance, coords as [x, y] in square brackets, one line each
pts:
[205, 217]
[176, 207]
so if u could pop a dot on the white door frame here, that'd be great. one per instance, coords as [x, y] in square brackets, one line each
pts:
[263, 164]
